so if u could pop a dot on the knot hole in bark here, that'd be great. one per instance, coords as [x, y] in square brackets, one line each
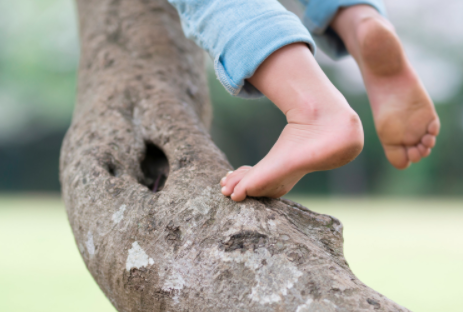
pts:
[112, 170]
[155, 168]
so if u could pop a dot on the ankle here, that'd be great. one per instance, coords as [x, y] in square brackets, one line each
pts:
[330, 144]
[331, 111]
[309, 108]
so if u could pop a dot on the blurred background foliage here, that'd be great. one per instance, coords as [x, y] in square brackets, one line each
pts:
[39, 56]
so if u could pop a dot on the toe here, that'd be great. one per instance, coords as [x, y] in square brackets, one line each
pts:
[413, 154]
[229, 174]
[244, 168]
[239, 194]
[424, 151]
[428, 140]
[223, 181]
[421, 148]
[434, 127]
[397, 156]
[232, 180]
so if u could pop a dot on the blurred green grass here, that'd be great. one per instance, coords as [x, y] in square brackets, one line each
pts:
[409, 250]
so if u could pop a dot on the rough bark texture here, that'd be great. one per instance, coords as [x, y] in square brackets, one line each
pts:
[185, 247]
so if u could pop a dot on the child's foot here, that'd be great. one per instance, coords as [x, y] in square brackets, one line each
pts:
[405, 118]
[323, 132]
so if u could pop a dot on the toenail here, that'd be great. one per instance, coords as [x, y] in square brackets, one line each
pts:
[229, 172]
[223, 180]
[223, 189]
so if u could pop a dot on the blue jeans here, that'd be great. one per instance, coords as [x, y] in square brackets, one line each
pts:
[240, 34]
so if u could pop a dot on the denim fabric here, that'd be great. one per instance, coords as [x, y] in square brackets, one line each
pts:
[317, 18]
[240, 34]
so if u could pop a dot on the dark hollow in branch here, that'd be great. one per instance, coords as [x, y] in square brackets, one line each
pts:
[155, 168]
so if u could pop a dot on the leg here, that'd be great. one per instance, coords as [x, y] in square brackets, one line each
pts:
[259, 47]
[323, 132]
[405, 118]
[239, 35]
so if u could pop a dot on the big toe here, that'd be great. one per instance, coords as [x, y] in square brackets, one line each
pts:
[232, 179]
[239, 193]
[397, 156]
[434, 127]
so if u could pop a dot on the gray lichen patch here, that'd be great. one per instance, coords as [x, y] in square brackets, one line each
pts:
[137, 258]
[174, 281]
[200, 204]
[274, 275]
[305, 306]
[318, 305]
[119, 215]
[89, 244]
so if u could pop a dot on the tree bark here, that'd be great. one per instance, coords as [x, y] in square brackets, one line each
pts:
[152, 244]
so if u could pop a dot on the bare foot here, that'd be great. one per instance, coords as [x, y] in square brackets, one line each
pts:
[323, 132]
[405, 118]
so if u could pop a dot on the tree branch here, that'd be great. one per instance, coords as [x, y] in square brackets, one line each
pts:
[141, 124]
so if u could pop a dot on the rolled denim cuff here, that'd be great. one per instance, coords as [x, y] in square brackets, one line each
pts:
[318, 16]
[250, 45]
